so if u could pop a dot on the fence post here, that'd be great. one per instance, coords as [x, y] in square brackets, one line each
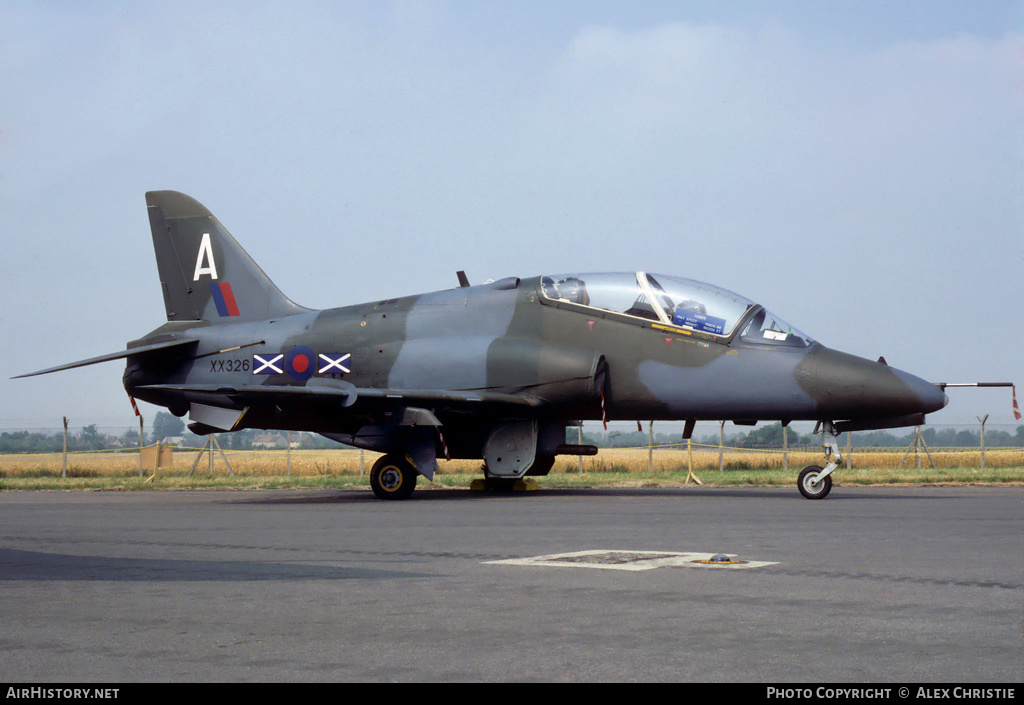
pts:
[650, 447]
[983, 420]
[721, 443]
[64, 467]
[785, 448]
[581, 443]
[142, 444]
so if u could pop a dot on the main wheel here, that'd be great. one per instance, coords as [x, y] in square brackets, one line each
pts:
[811, 486]
[392, 478]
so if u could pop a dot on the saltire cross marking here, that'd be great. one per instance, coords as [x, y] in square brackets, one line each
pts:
[267, 364]
[224, 298]
[334, 363]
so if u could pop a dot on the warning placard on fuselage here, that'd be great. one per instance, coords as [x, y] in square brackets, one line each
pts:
[698, 321]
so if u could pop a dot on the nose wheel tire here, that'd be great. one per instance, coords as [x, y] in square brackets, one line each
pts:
[812, 485]
[392, 478]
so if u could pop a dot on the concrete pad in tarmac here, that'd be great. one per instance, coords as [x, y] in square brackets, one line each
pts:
[872, 585]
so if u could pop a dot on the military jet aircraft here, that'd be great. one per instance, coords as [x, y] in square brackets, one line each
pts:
[495, 371]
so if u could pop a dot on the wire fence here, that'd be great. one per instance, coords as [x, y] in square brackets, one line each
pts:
[169, 460]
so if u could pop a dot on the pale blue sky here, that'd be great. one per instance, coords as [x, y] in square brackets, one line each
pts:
[854, 166]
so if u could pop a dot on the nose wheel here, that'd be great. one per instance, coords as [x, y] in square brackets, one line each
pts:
[813, 483]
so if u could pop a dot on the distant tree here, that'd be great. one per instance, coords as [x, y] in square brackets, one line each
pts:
[966, 439]
[25, 442]
[771, 437]
[90, 439]
[165, 425]
[1000, 439]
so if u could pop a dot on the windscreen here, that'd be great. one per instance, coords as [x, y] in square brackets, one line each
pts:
[768, 329]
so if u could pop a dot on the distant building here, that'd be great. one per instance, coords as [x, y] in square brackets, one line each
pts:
[113, 441]
[269, 440]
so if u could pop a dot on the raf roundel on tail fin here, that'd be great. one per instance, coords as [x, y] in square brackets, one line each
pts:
[205, 274]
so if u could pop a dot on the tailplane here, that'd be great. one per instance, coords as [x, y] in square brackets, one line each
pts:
[205, 274]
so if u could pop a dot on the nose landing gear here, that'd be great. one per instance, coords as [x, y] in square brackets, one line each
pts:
[815, 482]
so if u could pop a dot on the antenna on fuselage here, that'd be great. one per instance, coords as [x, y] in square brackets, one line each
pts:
[463, 279]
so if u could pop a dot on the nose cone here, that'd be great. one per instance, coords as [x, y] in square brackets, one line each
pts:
[850, 387]
[930, 397]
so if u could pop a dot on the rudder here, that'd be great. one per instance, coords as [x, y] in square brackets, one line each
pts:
[205, 275]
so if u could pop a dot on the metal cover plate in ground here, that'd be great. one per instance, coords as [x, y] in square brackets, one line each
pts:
[632, 560]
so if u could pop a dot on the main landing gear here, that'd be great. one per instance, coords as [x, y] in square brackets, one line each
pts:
[392, 477]
[815, 482]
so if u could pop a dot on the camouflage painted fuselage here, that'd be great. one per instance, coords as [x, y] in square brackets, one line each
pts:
[494, 371]
[481, 356]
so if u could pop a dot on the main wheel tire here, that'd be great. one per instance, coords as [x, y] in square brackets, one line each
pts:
[392, 478]
[810, 486]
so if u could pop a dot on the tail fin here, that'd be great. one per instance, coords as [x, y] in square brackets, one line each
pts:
[204, 272]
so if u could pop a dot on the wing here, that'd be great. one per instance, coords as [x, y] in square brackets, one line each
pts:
[346, 395]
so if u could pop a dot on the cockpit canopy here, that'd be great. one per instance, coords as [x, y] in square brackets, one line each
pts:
[673, 301]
